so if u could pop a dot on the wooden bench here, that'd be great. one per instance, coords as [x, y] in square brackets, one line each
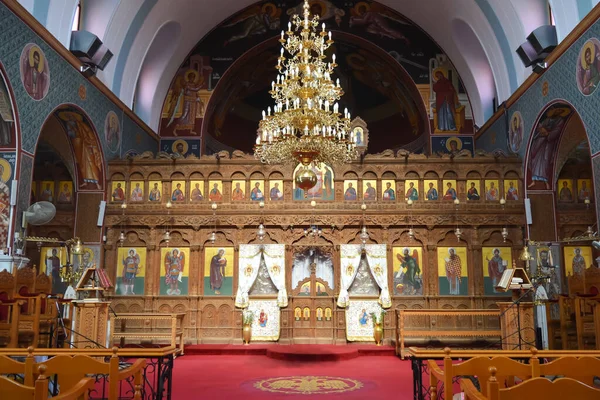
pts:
[150, 327]
[535, 388]
[402, 332]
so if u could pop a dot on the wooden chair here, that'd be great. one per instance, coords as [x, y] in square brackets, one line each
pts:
[10, 310]
[479, 367]
[29, 320]
[49, 310]
[16, 391]
[568, 330]
[554, 331]
[583, 369]
[587, 320]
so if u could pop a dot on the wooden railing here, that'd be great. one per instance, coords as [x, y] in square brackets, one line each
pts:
[509, 364]
[71, 366]
[476, 330]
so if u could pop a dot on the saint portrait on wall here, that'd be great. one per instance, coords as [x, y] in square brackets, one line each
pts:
[584, 190]
[112, 131]
[577, 259]
[216, 191]
[511, 189]
[131, 271]
[7, 117]
[35, 72]
[51, 261]
[492, 190]
[256, 191]
[565, 190]
[515, 132]
[350, 189]
[155, 194]
[411, 187]
[431, 189]
[452, 271]
[47, 191]
[65, 192]
[407, 275]
[137, 191]
[544, 143]
[588, 67]
[238, 188]
[389, 190]
[89, 258]
[88, 154]
[323, 190]
[446, 101]
[7, 163]
[276, 192]
[369, 190]
[178, 191]
[495, 260]
[450, 189]
[197, 187]
[175, 271]
[218, 271]
[473, 188]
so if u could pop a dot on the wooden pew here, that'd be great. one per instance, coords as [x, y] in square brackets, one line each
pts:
[479, 367]
[580, 365]
[535, 388]
[71, 368]
[583, 369]
[150, 326]
[460, 331]
[16, 391]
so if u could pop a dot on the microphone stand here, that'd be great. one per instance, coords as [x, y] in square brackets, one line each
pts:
[517, 303]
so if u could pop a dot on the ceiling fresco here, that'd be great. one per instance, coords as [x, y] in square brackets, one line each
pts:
[385, 69]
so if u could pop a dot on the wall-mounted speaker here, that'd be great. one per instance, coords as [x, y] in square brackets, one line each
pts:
[543, 39]
[528, 217]
[14, 188]
[528, 54]
[89, 49]
[101, 211]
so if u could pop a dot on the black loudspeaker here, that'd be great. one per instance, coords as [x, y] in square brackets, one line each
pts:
[89, 49]
[543, 39]
[528, 54]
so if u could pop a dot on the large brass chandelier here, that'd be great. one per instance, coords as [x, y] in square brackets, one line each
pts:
[305, 124]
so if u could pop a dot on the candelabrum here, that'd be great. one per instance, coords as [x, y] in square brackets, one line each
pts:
[305, 124]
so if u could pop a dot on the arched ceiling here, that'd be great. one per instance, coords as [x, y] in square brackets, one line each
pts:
[479, 36]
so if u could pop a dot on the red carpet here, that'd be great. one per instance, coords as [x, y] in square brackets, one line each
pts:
[294, 352]
[233, 377]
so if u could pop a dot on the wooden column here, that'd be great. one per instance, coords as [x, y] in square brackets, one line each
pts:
[432, 267]
[476, 283]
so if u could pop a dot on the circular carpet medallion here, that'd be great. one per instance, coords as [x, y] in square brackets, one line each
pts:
[308, 385]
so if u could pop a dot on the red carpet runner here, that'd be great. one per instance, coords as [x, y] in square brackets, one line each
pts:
[355, 374]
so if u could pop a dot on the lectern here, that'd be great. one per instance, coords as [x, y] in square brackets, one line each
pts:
[516, 317]
[91, 321]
